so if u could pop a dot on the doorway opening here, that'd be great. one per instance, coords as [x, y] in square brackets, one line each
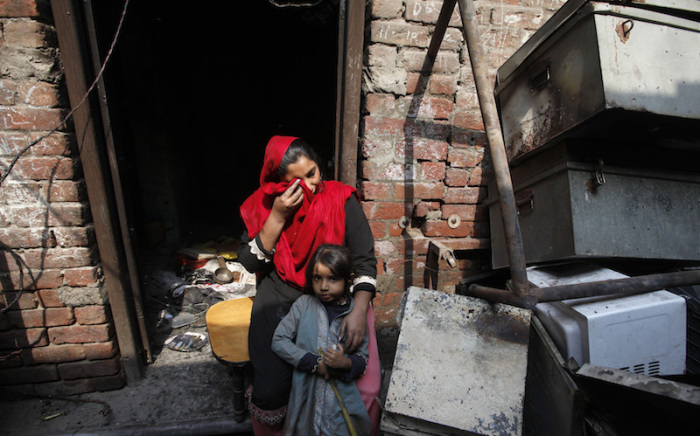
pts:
[194, 94]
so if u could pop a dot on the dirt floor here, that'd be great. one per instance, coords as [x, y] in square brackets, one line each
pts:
[182, 393]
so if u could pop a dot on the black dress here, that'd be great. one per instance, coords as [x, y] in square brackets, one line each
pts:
[274, 297]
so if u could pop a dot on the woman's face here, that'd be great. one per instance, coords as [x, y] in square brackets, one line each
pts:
[306, 170]
[327, 286]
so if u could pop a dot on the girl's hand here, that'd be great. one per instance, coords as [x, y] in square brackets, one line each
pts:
[289, 201]
[336, 358]
[322, 370]
[354, 327]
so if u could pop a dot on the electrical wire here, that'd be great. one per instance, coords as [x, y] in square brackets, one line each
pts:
[82, 101]
[4, 247]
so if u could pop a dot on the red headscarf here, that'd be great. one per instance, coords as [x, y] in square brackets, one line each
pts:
[319, 220]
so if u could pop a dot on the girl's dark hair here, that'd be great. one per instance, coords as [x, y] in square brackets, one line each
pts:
[335, 257]
[297, 149]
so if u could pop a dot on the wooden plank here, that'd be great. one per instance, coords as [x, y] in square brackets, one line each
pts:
[66, 17]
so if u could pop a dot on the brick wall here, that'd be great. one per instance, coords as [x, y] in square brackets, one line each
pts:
[424, 154]
[57, 335]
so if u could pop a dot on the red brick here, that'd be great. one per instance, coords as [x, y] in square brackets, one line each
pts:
[410, 246]
[432, 170]
[78, 334]
[57, 144]
[28, 374]
[380, 104]
[471, 120]
[468, 195]
[57, 214]
[12, 142]
[26, 118]
[66, 190]
[395, 230]
[25, 238]
[47, 279]
[97, 314]
[10, 359]
[384, 210]
[422, 208]
[441, 229]
[387, 127]
[49, 298]
[384, 248]
[391, 171]
[400, 34]
[416, 83]
[444, 85]
[422, 149]
[428, 12]
[22, 8]
[25, 301]
[53, 354]
[89, 368]
[52, 258]
[465, 158]
[419, 190]
[431, 108]
[456, 177]
[378, 229]
[41, 317]
[476, 177]
[45, 168]
[387, 8]
[100, 350]
[80, 277]
[24, 338]
[376, 190]
[8, 88]
[38, 93]
[466, 212]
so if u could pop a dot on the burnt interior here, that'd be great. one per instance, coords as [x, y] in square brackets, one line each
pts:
[194, 95]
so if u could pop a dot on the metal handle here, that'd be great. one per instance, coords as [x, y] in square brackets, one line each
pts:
[540, 79]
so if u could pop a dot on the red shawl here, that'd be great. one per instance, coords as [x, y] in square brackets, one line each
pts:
[319, 220]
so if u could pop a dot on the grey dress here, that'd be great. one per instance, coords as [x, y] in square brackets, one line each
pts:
[313, 408]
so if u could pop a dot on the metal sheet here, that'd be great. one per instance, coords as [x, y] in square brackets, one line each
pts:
[460, 362]
[637, 213]
[608, 71]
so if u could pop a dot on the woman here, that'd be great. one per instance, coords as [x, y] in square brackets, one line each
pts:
[292, 213]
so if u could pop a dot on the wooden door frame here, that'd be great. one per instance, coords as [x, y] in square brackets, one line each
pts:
[350, 57]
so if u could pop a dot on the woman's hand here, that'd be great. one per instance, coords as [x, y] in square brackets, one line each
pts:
[289, 201]
[354, 326]
[336, 358]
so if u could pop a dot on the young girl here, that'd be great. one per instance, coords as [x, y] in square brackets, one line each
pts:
[309, 339]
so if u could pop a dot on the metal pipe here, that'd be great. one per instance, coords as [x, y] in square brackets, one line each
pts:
[628, 286]
[489, 112]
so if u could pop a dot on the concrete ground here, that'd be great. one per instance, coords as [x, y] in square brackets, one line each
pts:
[182, 393]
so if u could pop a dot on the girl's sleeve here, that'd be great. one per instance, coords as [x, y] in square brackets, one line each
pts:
[283, 340]
[359, 240]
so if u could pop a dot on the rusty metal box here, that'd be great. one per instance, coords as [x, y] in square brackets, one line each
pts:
[603, 70]
[572, 206]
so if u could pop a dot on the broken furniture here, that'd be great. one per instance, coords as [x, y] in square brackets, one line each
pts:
[228, 323]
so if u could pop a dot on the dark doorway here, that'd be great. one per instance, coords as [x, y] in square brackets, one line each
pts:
[195, 90]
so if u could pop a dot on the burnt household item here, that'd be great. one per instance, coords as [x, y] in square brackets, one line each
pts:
[468, 378]
[570, 209]
[222, 275]
[602, 70]
[642, 333]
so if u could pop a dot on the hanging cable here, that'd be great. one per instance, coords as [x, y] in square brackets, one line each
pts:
[4, 247]
[85, 97]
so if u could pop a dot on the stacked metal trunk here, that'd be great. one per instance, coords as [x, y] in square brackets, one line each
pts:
[600, 112]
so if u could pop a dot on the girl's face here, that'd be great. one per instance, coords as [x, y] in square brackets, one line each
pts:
[306, 170]
[327, 286]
